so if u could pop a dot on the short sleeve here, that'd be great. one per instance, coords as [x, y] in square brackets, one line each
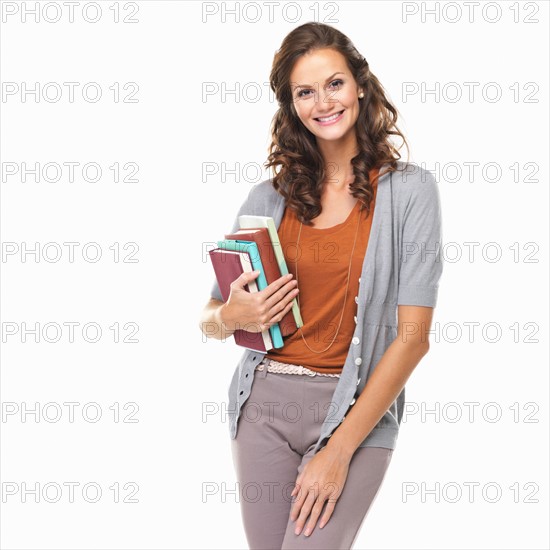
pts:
[215, 290]
[421, 262]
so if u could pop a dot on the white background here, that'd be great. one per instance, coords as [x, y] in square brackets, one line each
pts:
[174, 452]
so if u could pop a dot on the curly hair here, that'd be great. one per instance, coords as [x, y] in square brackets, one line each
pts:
[293, 147]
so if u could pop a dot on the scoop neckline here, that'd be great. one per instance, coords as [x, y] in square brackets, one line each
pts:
[337, 227]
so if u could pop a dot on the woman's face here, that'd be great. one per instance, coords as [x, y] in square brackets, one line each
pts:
[322, 86]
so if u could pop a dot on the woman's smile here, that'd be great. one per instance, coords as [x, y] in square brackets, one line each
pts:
[332, 119]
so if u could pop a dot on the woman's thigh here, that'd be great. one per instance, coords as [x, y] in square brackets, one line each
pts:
[277, 425]
[367, 469]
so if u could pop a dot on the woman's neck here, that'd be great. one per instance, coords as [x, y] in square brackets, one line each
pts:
[337, 157]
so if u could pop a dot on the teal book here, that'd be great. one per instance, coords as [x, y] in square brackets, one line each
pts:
[252, 222]
[252, 248]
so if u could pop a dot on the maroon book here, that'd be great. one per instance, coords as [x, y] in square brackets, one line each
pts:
[228, 266]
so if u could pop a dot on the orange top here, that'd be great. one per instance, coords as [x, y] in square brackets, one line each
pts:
[323, 263]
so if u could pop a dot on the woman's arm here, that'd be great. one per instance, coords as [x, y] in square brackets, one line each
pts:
[212, 322]
[386, 382]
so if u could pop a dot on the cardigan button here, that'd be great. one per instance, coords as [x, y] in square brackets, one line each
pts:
[357, 299]
[355, 340]
[359, 279]
[358, 361]
[358, 382]
[355, 318]
[352, 401]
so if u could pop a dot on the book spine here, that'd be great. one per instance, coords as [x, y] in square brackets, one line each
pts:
[284, 268]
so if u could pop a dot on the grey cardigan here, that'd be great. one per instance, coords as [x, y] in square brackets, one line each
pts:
[402, 266]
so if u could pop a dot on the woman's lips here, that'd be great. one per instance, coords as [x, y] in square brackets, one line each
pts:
[333, 119]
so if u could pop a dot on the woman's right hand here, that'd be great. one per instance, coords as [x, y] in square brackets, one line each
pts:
[257, 311]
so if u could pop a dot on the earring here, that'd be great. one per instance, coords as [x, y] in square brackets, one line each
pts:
[361, 95]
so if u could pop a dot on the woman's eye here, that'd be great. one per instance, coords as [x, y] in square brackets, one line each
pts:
[334, 84]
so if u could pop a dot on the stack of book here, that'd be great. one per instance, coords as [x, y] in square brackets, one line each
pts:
[255, 246]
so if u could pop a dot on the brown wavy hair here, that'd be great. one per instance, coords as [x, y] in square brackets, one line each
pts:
[293, 147]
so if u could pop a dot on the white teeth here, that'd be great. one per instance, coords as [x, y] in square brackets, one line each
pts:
[327, 119]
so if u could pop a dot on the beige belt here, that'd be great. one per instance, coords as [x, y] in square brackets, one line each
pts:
[287, 368]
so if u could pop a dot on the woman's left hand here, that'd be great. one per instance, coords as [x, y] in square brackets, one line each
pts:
[323, 478]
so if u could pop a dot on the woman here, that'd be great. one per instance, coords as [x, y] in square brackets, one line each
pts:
[314, 424]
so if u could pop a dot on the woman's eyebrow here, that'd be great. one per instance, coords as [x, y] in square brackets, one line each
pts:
[309, 85]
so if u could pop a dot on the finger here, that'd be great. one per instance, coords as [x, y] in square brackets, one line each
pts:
[283, 293]
[279, 310]
[282, 296]
[276, 313]
[328, 513]
[295, 490]
[298, 502]
[304, 512]
[276, 285]
[314, 516]
[244, 278]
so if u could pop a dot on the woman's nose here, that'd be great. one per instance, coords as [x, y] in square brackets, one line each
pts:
[325, 100]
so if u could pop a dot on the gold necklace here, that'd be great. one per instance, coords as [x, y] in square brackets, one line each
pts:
[347, 284]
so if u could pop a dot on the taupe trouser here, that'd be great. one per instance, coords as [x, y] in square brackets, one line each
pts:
[278, 427]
